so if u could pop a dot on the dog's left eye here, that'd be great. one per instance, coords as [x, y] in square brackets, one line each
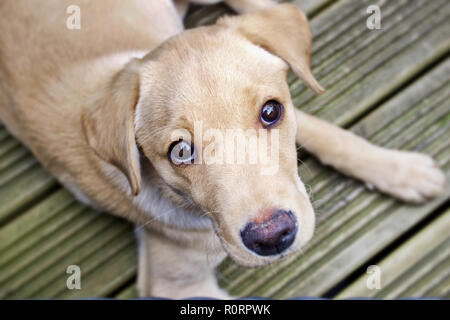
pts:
[271, 113]
[181, 152]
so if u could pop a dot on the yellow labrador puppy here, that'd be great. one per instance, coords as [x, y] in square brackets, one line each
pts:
[113, 110]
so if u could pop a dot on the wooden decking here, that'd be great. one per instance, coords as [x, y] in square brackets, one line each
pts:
[391, 86]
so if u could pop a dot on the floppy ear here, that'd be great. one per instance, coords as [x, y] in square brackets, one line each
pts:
[108, 123]
[282, 30]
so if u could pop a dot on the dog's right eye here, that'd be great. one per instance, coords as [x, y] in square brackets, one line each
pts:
[271, 113]
[181, 152]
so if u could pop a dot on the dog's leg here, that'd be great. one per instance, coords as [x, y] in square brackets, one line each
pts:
[409, 176]
[171, 270]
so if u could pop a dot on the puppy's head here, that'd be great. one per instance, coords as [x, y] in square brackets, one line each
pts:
[212, 113]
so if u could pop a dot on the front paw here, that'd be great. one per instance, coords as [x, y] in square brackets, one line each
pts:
[409, 176]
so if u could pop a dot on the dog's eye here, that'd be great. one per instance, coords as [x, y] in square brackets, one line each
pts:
[181, 152]
[271, 113]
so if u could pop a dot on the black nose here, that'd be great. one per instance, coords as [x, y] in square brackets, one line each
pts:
[272, 236]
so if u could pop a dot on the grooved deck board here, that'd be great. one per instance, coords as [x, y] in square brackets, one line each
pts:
[374, 63]
[27, 186]
[391, 86]
[426, 255]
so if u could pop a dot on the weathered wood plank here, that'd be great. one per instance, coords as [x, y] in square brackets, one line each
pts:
[13, 170]
[440, 290]
[129, 292]
[8, 144]
[400, 268]
[91, 241]
[11, 157]
[116, 266]
[108, 277]
[431, 274]
[36, 224]
[359, 79]
[3, 133]
[30, 184]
